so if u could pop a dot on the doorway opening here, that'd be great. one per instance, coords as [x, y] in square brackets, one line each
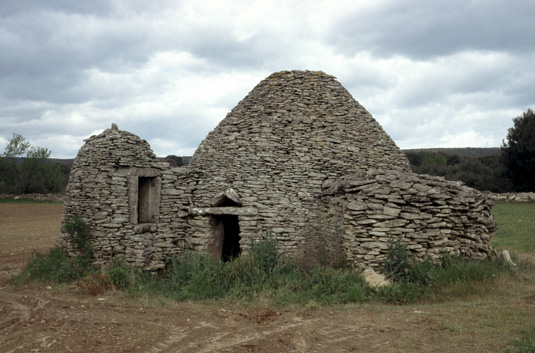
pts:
[226, 232]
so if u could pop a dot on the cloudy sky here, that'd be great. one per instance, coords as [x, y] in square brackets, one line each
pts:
[448, 73]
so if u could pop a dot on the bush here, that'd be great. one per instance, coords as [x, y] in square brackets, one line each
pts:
[256, 270]
[55, 266]
[119, 274]
[398, 262]
[328, 285]
[485, 173]
[79, 233]
[193, 276]
[414, 280]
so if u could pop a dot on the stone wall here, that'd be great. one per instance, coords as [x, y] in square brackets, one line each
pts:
[35, 197]
[512, 196]
[293, 131]
[296, 143]
[429, 214]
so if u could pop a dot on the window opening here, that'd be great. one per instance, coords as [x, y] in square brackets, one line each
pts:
[146, 200]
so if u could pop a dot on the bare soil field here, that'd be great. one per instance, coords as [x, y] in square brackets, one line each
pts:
[62, 319]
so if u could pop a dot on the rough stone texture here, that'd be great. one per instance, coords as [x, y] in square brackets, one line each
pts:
[102, 190]
[429, 214]
[298, 143]
[35, 197]
[519, 197]
[375, 279]
[294, 130]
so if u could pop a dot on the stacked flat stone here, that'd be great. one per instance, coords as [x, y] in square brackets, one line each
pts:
[517, 197]
[296, 144]
[294, 130]
[98, 193]
[430, 215]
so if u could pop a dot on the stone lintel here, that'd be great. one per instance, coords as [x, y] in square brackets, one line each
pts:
[141, 172]
[238, 211]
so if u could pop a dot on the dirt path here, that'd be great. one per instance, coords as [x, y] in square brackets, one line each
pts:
[47, 323]
[59, 319]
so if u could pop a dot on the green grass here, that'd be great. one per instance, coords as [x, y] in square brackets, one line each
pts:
[55, 266]
[527, 343]
[516, 233]
[516, 226]
[525, 346]
[262, 276]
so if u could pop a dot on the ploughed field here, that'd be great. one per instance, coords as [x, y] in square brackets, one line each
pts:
[41, 318]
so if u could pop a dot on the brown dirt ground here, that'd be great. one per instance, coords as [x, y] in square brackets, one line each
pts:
[62, 319]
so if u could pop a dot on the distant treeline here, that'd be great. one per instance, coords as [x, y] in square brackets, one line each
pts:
[33, 175]
[43, 175]
[481, 168]
[466, 151]
[478, 168]
[511, 168]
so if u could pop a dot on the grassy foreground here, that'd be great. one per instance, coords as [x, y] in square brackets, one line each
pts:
[516, 233]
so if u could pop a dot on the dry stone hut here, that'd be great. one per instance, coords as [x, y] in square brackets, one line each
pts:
[297, 150]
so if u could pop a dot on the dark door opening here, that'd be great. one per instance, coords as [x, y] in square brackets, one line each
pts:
[231, 237]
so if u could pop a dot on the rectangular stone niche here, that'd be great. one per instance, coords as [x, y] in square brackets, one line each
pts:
[147, 204]
[144, 200]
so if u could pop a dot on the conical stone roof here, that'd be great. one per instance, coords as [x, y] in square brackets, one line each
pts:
[305, 119]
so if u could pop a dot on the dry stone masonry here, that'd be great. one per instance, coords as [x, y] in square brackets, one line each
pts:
[297, 143]
[429, 214]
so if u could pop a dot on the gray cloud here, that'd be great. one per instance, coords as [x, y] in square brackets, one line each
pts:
[425, 29]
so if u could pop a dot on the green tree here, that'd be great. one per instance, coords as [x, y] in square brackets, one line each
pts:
[10, 175]
[34, 170]
[519, 152]
[174, 161]
[26, 169]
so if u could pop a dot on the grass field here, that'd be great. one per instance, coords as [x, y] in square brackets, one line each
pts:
[516, 226]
